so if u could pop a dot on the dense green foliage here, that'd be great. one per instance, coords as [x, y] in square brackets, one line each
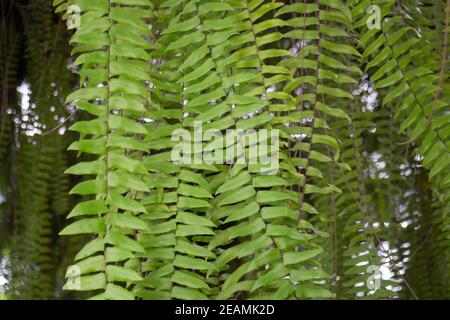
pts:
[358, 90]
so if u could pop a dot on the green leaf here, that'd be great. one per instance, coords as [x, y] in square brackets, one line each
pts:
[93, 225]
[244, 212]
[308, 274]
[89, 265]
[187, 294]
[312, 292]
[120, 240]
[188, 280]
[238, 195]
[116, 254]
[192, 263]
[117, 200]
[90, 207]
[193, 191]
[187, 202]
[116, 273]
[126, 221]
[235, 182]
[324, 139]
[270, 277]
[115, 292]
[90, 248]
[300, 256]
[213, 6]
[88, 94]
[86, 283]
[89, 187]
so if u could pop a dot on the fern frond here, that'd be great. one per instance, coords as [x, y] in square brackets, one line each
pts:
[113, 72]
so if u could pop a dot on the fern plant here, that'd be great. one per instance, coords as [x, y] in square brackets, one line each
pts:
[164, 193]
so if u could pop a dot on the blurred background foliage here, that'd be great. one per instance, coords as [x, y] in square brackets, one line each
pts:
[35, 78]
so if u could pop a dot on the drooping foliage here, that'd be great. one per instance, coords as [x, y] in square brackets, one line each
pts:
[353, 205]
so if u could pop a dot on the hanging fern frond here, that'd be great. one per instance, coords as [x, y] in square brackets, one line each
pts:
[405, 66]
[393, 57]
[112, 67]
